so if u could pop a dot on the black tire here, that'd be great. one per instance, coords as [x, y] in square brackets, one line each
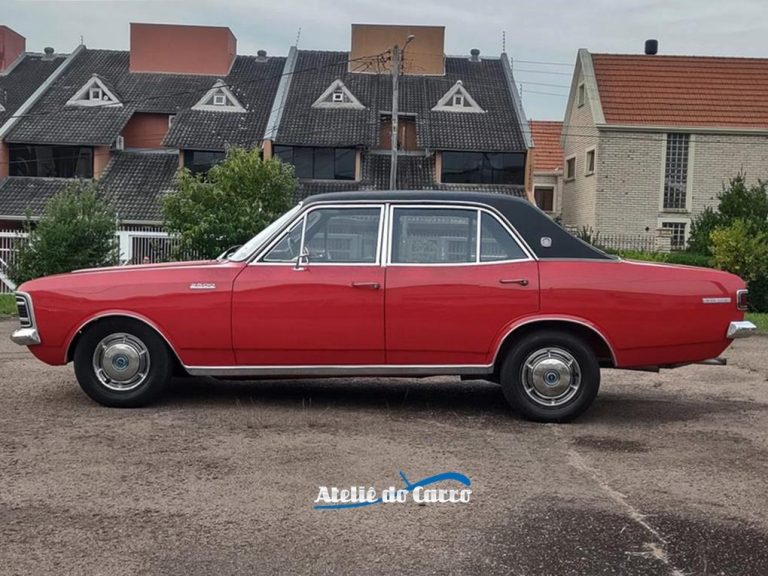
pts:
[548, 352]
[129, 343]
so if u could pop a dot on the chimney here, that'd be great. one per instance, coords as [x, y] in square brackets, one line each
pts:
[651, 47]
[174, 49]
[261, 55]
[12, 45]
[49, 53]
[474, 55]
[425, 54]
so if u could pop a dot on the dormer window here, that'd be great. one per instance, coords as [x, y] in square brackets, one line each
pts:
[337, 95]
[457, 99]
[219, 99]
[95, 92]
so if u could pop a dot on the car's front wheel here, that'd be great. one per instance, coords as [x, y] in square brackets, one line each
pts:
[550, 376]
[122, 363]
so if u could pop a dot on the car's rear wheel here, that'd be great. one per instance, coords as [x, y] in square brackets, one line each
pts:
[122, 363]
[550, 376]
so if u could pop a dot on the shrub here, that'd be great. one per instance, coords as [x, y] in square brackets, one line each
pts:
[76, 230]
[743, 251]
[737, 201]
[687, 258]
[229, 205]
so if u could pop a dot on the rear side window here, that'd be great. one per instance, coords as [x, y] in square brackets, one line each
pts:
[496, 243]
[434, 236]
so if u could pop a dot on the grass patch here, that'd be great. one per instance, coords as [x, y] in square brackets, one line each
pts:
[759, 319]
[7, 305]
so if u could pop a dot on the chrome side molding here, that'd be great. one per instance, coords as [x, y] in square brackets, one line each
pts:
[740, 329]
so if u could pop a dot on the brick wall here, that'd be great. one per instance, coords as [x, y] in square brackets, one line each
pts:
[579, 194]
[630, 176]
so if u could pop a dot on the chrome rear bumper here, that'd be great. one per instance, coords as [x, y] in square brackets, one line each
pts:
[740, 329]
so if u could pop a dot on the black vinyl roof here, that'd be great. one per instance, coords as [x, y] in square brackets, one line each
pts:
[530, 222]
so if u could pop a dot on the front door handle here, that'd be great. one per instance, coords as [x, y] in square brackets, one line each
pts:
[367, 285]
[521, 281]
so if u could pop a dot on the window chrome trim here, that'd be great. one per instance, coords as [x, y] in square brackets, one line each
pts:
[480, 209]
[343, 370]
[26, 334]
[301, 216]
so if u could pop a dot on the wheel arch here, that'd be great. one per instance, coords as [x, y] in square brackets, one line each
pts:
[595, 338]
[74, 338]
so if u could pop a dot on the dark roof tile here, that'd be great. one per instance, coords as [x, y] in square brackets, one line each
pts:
[20, 82]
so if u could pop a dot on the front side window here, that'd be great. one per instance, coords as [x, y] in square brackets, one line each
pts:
[676, 171]
[483, 168]
[434, 236]
[319, 163]
[332, 236]
[50, 161]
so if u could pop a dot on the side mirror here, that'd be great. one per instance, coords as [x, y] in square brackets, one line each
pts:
[302, 262]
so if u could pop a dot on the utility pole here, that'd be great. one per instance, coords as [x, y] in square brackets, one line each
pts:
[395, 70]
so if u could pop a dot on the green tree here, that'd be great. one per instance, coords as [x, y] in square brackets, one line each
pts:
[737, 201]
[232, 203]
[76, 230]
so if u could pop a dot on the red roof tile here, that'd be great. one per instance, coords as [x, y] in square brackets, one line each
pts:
[683, 90]
[547, 152]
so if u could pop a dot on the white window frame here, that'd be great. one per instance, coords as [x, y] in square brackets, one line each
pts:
[458, 99]
[95, 90]
[338, 96]
[219, 99]
[688, 178]
[686, 221]
[581, 94]
[566, 177]
[259, 260]
[593, 151]
[480, 210]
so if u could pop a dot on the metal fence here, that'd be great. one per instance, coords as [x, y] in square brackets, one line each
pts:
[136, 246]
[616, 242]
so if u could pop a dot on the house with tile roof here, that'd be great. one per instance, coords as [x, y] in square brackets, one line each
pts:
[130, 119]
[649, 140]
[547, 165]
[181, 96]
[460, 123]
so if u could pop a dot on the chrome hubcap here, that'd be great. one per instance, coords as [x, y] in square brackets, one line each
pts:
[121, 362]
[551, 376]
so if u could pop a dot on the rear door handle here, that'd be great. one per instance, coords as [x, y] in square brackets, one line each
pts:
[521, 281]
[366, 285]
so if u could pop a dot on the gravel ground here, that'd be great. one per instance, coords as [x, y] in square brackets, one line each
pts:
[666, 474]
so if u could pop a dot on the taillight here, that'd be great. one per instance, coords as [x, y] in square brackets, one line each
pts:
[742, 299]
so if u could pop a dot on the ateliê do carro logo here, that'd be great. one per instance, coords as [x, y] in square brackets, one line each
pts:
[438, 489]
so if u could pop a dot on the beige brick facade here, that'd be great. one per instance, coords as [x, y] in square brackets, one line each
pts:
[624, 196]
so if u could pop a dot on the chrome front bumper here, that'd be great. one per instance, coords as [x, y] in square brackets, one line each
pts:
[740, 329]
[26, 337]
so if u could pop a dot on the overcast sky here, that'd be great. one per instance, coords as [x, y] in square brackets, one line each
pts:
[542, 35]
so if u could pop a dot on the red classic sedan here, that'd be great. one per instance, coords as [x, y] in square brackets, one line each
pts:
[388, 284]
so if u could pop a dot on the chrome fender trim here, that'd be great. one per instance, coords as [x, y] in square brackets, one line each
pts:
[565, 319]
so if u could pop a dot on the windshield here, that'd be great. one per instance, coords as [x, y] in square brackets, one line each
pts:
[250, 247]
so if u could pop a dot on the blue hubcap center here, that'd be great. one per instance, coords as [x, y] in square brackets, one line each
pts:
[120, 362]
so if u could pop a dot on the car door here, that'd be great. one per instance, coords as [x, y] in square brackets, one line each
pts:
[456, 277]
[316, 296]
